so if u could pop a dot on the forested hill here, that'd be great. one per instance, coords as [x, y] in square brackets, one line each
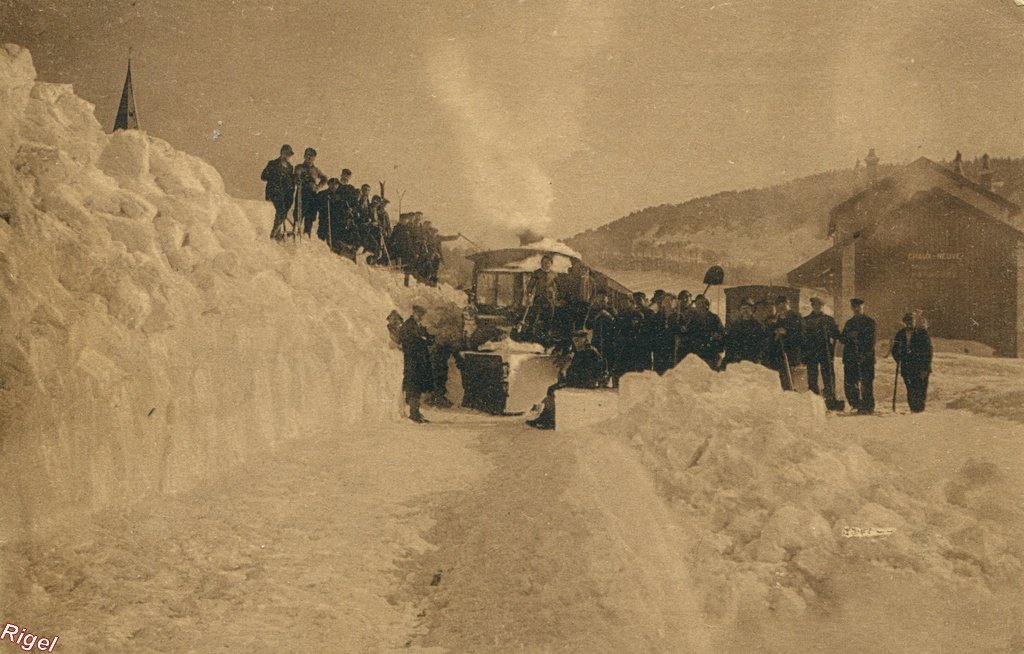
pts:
[757, 234]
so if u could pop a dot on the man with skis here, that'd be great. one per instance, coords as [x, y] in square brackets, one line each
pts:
[858, 339]
[912, 351]
[280, 178]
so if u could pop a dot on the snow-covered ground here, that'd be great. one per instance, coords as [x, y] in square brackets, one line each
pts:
[203, 451]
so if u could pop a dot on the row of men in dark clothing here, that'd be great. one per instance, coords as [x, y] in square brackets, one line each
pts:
[657, 335]
[348, 219]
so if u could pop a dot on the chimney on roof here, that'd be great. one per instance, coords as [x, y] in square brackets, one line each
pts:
[985, 176]
[871, 162]
[958, 163]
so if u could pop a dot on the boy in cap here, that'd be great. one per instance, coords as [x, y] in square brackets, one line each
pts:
[820, 335]
[280, 178]
[912, 351]
[858, 336]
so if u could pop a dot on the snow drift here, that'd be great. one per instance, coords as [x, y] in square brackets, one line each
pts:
[780, 496]
[152, 334]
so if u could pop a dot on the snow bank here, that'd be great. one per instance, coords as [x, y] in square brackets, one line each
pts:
[152, 333]
[781, 495]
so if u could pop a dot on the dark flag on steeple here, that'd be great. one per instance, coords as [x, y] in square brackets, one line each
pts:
[127, 117]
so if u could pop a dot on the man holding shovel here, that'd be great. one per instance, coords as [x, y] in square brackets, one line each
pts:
[820, 334]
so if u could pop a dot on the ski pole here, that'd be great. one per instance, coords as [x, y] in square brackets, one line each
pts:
[895, 385]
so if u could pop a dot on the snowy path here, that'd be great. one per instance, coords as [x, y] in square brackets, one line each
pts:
[294, 553]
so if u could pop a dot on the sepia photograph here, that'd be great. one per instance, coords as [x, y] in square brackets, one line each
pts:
[512, 326]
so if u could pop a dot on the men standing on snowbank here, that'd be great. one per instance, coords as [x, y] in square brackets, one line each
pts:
[280, 178]
[859, 359]
[912, 351]
[417, 375]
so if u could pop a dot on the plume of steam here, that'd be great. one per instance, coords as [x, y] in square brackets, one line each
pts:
[508, 147]
[528, 236]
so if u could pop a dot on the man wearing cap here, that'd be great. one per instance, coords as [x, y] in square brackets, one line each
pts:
[586, 369]
[820, 334]
[331, 209]
[280, 178]
[706, 333]
[745, 338]
[785, 333]
[542, 295]
[309, 179]
[418, 375]
[912, 350]
[858, 338]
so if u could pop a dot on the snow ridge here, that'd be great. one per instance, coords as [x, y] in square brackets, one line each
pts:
[152, 333]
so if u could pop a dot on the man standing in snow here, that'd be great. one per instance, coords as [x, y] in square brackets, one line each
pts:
[707, 333]
[309, 179]
[745, 338]
[542, 295]
[912, 350]
[820, 334]
[858, 338]
[785, 338]
[418, 375]
[587, 369]
[280, 178]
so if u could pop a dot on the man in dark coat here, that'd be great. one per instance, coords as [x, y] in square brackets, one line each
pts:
[280, 178]
[331, 213]
[401, 244]
[309, 179]
[631, 351]
[601, 323]
[785, 337]
[858, 339]
[587, 369]
[912, 350]
[706, 333]
[664, 334]
[541, 298]
[685, 311]
[818, 351]
[745, 338]
[418, 375]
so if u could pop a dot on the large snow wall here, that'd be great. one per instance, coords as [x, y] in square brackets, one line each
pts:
[151, 333]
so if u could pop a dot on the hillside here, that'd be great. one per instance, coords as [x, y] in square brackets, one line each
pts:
[757, 235]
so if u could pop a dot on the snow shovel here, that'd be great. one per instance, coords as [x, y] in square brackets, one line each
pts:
[715, 276]
[785, 362]
[833, 404]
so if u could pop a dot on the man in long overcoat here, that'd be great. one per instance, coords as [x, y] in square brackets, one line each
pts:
[859, 359]
[418, 375]
[912, 350]
[279, 174]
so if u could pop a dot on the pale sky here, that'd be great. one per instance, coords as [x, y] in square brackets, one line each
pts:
[559, 116]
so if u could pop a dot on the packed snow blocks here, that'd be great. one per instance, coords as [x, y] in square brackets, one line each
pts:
[152, 334]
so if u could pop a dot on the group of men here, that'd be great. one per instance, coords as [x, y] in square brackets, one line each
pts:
[350, 220]
[657, 334]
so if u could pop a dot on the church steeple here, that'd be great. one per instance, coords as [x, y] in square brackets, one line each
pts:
[127, 116]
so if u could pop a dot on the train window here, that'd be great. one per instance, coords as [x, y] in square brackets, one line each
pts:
[505, 290]
[486, 289]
